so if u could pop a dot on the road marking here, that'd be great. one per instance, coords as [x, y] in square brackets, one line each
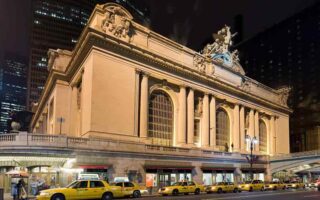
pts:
[254, 195]
[311, 196]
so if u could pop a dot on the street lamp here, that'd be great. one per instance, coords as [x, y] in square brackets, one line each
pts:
[252, 141]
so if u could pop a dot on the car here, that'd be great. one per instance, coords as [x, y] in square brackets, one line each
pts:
[130, 189]
[181, 187]
[252, 185]
[312, 185]
[274, 185]
[295, 185]
[223, 187]
[85, 189]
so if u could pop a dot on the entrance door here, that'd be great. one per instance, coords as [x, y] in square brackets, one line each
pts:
[164, 180]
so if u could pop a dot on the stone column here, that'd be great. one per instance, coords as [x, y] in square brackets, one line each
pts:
[136, 102]
[251, 123]
[205, 122]
[190, 111]
[256, 129]
[182, 116]
[272, 136]
[212, 121]
[236, 127]
[144, 102]
[242, 129]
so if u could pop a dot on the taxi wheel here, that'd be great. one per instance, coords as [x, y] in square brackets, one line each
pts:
[284, 188]
[275, 188]
[186, 193]
[219, 190]
[136, 194]
[197, 191]
[107, 196]
[251, 189]
[235, 190]
[175, 192]
[262, 189]
[58, 197]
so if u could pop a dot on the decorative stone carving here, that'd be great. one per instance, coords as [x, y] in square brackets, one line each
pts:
[219, 51]
[117, 21]
[245, 85]
[203, 65]
[283, 95]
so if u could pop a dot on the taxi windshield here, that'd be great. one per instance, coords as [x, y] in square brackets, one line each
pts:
[247, 182]
[71, 185]
[221, 183]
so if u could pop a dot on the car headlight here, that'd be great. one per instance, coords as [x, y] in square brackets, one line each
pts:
[213, 188]
[44, 194]
[247, 185]
[294, 185]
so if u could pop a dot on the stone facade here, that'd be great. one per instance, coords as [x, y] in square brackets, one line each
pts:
[104, 87]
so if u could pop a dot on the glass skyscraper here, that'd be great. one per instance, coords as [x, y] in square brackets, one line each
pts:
[13, 88]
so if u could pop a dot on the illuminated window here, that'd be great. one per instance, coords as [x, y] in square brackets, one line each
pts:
[160, 119]
[262, 136]
[223, 128]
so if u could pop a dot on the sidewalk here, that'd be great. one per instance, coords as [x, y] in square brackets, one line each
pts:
[7, 196]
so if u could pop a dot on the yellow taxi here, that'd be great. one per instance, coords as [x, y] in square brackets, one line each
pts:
[252, 185]
[295, 185]
[89, 189]
[131, 189]
[182, 187]
[274, 185]
[223, 187]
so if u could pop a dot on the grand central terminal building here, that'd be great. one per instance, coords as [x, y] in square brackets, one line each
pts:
[128, 102]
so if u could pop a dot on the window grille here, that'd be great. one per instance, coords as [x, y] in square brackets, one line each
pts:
[196, 135]
[160, 119]
[262, 136]
[223, 128]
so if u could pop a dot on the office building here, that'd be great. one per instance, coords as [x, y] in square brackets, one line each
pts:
[287, 54]
[13, 88]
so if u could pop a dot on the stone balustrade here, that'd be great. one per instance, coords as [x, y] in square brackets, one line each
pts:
[28, 140]
[296, 155]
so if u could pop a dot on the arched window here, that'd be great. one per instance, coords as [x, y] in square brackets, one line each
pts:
[222, 128]
[160, 119]
[262, 136]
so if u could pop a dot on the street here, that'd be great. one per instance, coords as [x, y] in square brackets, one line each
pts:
[267, 195]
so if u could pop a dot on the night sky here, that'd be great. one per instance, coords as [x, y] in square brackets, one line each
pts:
[189, 22]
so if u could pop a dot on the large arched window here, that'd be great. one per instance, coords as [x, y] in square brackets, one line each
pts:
[223, 128]
[160, 119]
[262, 136]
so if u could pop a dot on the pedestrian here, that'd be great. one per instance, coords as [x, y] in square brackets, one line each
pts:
[14, 191]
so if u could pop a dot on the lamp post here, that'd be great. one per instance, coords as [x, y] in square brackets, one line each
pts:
[251, 141]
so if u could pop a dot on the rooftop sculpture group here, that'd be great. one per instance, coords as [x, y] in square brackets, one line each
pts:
[219, 50]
